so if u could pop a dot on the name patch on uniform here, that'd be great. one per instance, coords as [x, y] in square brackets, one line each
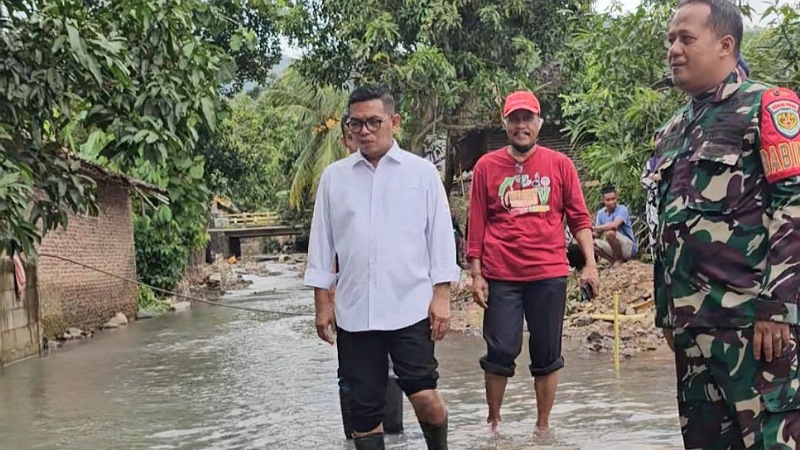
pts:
[780, 134]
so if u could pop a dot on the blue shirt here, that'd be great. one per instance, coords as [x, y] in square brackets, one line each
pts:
[391, 228]
[626, 229]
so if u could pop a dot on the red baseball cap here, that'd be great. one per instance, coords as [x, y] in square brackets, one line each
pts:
[521, 100]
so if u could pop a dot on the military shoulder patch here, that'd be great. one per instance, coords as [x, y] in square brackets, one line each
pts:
[780, 134]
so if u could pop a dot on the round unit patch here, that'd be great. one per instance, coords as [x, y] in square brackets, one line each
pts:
[786, 118]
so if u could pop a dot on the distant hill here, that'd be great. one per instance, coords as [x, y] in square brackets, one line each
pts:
[276, 71]
[282, 65]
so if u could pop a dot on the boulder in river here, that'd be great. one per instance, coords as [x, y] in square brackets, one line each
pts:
[73, 333]
[181, 306]
[141, 315]
[117, 321]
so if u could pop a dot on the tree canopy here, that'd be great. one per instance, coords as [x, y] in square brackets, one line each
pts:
[450, 63]
[130, 84]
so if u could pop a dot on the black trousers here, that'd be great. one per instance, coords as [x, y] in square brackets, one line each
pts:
[364, 367]
[542, 304]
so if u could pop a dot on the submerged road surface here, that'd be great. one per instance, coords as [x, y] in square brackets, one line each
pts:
[217, 378]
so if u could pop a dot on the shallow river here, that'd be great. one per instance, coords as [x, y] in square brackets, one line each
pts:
[218, 378]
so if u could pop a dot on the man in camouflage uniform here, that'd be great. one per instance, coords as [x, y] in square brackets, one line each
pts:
[727, 262]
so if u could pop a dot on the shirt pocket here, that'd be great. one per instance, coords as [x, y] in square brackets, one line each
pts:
[717, 179]
[406, 209]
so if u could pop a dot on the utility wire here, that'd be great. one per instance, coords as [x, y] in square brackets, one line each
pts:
[224, 305]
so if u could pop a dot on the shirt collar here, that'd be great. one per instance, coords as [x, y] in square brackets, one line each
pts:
[728, 87]
[395, 154]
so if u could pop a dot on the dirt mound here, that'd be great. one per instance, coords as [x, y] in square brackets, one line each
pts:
[589, 323]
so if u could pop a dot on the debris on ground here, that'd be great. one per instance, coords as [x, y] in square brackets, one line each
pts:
[75, 333]
[465, 315]
[591, 323]
[588, 323]
[295, 261]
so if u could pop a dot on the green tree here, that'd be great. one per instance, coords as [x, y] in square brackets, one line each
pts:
[316, 113]
[450, 63]
[132, 85]
[250, 157]
[250, 36]
[773, 53]
[54, 62]
[609, 106]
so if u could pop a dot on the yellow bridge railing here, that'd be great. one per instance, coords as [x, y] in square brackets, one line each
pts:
[246, 220]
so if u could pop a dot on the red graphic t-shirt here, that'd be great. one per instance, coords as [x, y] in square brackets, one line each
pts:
[516, 214]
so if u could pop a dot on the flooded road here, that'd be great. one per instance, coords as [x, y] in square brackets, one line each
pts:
[217, 378]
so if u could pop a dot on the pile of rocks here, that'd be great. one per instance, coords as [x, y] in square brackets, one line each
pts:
[295, 261]
[221, 275]
[73, 333]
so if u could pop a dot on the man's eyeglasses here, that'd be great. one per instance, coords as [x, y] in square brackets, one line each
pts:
[372, 124]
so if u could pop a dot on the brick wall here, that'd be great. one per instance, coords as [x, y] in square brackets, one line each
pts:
[72, 296]
[19, 319]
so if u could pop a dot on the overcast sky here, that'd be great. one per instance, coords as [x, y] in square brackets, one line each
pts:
[758, 5]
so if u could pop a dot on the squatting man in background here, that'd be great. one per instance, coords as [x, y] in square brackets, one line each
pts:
[384, 213]
[613, 230]
[727, 260]
[516, 247]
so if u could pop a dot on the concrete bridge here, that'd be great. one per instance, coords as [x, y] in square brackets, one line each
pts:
[228, 230]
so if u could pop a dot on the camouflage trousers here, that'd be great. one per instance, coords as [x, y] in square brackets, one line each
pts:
[729, 400]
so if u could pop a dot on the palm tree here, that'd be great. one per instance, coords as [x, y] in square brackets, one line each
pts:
[317, 112]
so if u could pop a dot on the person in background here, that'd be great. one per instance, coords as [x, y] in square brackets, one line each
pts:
[727, 266]
[459, 238]
[649, 181]
[517, 251]
[347, 140]
[385, 213]
[613, 231]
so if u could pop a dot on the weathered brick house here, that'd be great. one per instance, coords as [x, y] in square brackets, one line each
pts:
[74, 296]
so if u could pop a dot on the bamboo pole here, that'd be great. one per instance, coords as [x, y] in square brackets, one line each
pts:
[616, 333]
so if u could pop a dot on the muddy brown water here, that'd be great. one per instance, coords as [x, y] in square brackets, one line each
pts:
[215, 378]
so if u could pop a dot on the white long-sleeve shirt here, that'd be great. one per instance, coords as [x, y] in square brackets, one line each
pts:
[392, 231]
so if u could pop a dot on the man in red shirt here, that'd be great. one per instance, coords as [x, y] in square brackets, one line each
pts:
[517, 251]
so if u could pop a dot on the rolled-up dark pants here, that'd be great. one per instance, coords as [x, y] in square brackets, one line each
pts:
[541, 303]
[393, 414]
[364, 367]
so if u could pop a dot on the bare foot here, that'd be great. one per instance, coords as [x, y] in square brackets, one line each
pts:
[543, 432]
[494, 425]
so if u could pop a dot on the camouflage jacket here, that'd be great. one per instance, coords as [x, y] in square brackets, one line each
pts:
[728, 202]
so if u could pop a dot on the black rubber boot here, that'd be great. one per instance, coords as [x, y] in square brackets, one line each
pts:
[344, 403]
[435, 435]
[393, 415]
[371, 442]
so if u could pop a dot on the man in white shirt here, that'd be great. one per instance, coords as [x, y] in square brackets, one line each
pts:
[393, 415]
[385, 214]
